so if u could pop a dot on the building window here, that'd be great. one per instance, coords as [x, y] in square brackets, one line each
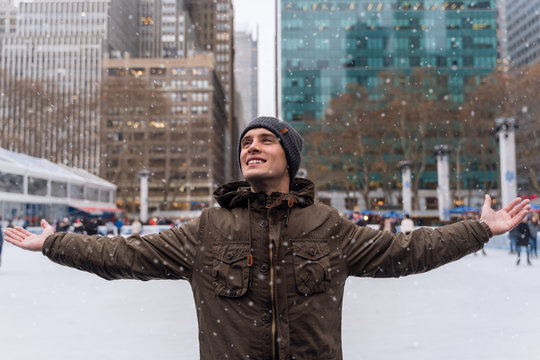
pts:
[136, 72]
[58, 189]
[179, 71]
[76, 191]
[11, 183]
[91, 194]
[116, 72]
[37, 186]
[158, 71]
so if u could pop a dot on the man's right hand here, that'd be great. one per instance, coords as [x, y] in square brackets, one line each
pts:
[25, 239]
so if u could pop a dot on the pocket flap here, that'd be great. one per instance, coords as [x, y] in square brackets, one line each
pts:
[311, 250]
[231, 253]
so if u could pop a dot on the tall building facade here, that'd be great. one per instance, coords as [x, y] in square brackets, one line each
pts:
[214, 23]
[519, 28]
[326, 45]
[329, 45]
[52, 71]
[166, 30]
[245, 75]
[166, 117]
[8, 17]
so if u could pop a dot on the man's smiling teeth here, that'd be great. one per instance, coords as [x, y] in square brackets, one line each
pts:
[250, 162]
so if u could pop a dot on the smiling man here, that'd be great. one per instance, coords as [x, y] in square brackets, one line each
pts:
[268, 266]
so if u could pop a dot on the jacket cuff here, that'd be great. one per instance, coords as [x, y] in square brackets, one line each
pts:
[486, 227]
[48, 244]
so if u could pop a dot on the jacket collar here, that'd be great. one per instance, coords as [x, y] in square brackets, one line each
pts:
[238, 193]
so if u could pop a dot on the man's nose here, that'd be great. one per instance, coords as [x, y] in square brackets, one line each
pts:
[254, 146]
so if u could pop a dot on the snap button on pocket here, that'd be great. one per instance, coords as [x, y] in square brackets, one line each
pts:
[265, 317]
[263, 223]
[312, 252]
[263, 268]
[229, 255]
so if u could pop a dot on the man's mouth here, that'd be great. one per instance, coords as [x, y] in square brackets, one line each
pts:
[255, 161]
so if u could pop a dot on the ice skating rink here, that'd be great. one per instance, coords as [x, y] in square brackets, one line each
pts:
[481, 307]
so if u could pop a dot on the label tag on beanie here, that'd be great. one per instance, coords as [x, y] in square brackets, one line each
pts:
[284, 131]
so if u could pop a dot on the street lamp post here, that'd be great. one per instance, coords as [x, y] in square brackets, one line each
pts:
[406, 185]
[443, 177]
[505, 128]
[143, 176]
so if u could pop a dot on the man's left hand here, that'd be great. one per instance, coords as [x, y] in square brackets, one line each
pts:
[507, 218]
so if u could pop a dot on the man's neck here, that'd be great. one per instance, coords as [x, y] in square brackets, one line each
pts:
[269, 188]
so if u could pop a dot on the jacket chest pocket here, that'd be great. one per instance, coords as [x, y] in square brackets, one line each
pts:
[311, 260]
[230, 269]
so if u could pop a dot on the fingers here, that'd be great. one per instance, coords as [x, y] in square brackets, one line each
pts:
[44, 223]
[512, 204]
[521, 206]
[23, 230]
[13, 233]
[13, 236]
[12, 241]
[517, 219]
[487, 201]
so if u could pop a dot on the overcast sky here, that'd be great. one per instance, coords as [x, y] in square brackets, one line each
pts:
[253, 14]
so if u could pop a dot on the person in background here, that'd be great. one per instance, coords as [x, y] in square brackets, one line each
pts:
[78, 227]
[136, 227]
[19, 222]
[513, 235]
[268, 267]
[534, 228]
[64, 225]
[407, 225]
[110, 228]
[119, 224]
[523, 240]
[91, 226]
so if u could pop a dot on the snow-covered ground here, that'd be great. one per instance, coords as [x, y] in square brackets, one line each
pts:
[482, 307]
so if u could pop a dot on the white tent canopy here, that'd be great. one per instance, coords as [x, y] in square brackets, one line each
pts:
[27, 179]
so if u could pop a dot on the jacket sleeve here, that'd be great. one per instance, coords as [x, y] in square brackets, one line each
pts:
[167, 255]
[375, 253]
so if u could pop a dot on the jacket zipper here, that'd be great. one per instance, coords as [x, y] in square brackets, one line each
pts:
[272, 282]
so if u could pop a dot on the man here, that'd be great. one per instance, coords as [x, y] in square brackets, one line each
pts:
[268, 267]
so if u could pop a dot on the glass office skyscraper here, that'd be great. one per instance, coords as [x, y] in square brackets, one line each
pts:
[326, 45]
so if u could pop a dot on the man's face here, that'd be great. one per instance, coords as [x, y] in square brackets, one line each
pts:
[263, 159]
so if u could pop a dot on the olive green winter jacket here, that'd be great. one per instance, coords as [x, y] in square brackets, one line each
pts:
[267, 271]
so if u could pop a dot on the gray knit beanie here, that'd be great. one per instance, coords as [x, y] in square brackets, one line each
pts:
[288, 137]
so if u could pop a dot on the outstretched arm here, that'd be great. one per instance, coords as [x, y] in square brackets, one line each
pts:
[505, 219]
[25, 239]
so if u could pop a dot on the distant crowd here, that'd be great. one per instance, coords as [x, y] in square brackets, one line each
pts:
[114, 226]
[99, 225]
